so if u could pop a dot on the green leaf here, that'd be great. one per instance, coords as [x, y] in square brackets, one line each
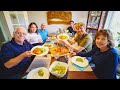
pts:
[118, 45]
[118, 33]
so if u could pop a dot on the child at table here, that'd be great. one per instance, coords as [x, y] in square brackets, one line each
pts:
[104, 55]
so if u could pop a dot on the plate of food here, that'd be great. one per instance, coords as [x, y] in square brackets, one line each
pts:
[63, 36]
[49, 45]
[59, 50]
[80, 61]
[58, 68]
[39, 73]
[40, 50]
[51, 37]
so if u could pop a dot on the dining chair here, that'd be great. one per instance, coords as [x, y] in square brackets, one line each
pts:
[118, 69]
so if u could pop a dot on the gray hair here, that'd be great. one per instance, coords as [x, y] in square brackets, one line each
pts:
[18, 29]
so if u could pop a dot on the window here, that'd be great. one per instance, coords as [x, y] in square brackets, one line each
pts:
[17, 19]
[114, 24]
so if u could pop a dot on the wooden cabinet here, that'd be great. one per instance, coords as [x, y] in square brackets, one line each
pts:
[95, 21]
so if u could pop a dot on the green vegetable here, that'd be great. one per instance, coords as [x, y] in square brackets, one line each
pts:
[43, 50]
[59, 69]
[40, 72]
[65, 37]
[79, 60]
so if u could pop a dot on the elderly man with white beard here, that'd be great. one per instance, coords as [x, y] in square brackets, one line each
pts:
[15, 55]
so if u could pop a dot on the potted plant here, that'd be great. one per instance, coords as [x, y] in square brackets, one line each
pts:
[118, 41]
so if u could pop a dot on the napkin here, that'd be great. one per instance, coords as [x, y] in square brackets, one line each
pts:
[49, 42]
[40, 61]
[25, 77]
[80, 68]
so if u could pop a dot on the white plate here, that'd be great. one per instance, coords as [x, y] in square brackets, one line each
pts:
[33, 74]
[48, 44]
[55, 63]
[51, 38]
[63, 35]
[84, 62]
[42, 54]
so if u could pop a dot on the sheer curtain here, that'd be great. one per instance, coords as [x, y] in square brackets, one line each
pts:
[113, 23]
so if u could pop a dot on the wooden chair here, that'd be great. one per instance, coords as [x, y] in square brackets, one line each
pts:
[118, 69]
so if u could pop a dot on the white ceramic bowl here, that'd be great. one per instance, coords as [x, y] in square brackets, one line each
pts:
[60, 70]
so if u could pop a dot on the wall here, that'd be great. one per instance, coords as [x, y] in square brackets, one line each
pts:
[2, 39]
[80, 16]
[4, 27]
[41, 17]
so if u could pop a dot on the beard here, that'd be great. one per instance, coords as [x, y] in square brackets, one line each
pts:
[20, 39]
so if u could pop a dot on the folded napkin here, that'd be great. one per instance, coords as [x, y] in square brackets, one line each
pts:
[25, 77]
[80, 68]
[70, 34]
[49, 42]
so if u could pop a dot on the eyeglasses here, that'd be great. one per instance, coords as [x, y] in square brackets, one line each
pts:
[20, 33]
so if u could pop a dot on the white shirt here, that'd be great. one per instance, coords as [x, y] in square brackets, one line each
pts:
[34, 38]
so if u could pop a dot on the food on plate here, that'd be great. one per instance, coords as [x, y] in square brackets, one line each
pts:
[40, 72]
[60, 50]
[59, 69]
[63, 37]
[38, 50]
[52, 37]
[48, 45]
[79, 60]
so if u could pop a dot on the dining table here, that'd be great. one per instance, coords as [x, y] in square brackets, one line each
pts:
[73, 72]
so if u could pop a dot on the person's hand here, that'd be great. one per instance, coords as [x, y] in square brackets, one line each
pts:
[62, 41]
[27, 54]
[72, 54]
[40, 41]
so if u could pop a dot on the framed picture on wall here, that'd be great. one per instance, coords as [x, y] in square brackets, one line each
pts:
[59, 17]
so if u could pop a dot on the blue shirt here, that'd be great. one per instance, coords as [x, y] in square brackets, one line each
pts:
[44, 34]
[105, 62]
[11, 50]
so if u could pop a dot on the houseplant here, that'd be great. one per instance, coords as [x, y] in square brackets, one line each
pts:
[118, 41]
